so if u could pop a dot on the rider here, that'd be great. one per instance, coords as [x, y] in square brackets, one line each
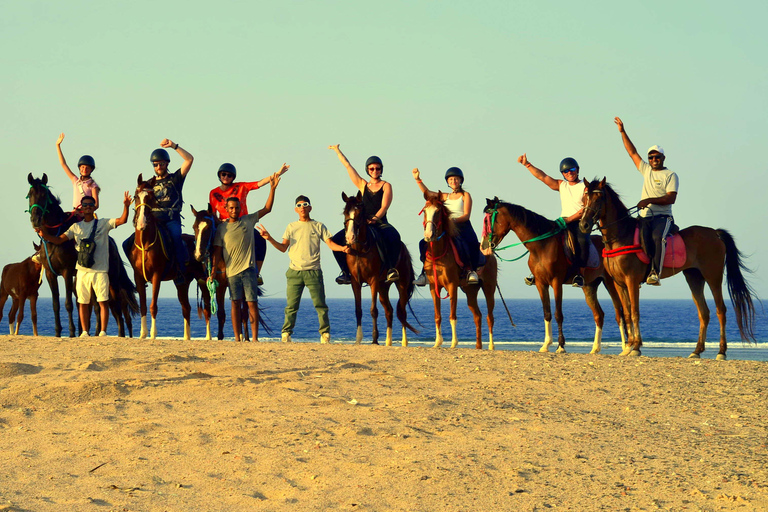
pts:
[659, 194]
[571, 208]
[459, 203]
[377, 197]
[218, 200]
[167, 188]
[83, 185]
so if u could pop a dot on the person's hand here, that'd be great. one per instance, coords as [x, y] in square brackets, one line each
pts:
[346, 249]
[334, 147]
[619, 123]
[166, 143]
[39, 232]
[643, 203]
[416, 174]
[523, 160]
[128, 199]
[60, 139]
[274, 180]
[263, 232]
[284, 169]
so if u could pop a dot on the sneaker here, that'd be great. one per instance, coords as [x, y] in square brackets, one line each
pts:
[393, 275]
[653, 279]
[85, 334]
[421, 280]
[578, 281]
[103, 333]
[286, 338]
[259, 280]
[344, 278]
[472, 277]
[325, 337]
[530, 280]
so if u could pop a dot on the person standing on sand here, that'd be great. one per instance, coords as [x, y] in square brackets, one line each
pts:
[96, 276]
[233, 243]
[219, 196]
[83, 185]
[571, 190]
[302, 241]
[659, 194]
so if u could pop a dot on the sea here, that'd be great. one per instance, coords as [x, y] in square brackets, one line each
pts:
[669, 327]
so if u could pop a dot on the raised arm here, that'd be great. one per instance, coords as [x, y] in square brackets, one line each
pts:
[274, 180]
[62, 161]
[280, 246]
[357, 180]
[127, 200]
[183, 153]
[631, 150]
[538, 173]
[424, 190]
[282, 171]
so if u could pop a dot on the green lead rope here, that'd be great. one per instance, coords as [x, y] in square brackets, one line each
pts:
[560, 227]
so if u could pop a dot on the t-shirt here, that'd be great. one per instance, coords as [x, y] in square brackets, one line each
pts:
[571, 198]
[82, 230]
[304, 240]
[657, 184]
[168, 195]
[236, 242]
[218, 198]
[82, 188]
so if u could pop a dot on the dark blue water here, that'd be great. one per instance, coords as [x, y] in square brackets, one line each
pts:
[669, 327]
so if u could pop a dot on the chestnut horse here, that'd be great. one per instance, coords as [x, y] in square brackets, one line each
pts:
[550, 266]
[151, 264]
[21, 281]
[365, 267]
[710, 252]
[443, 271]
[46, 213]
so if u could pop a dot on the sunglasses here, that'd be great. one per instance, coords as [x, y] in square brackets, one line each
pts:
[88, 205]
[574, 169]
[158, 164]
[226, 175]
[655, 157]
[303, 204]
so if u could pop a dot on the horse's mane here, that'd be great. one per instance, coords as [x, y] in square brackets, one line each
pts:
[448, 224]
[611, 195]
[537, 223]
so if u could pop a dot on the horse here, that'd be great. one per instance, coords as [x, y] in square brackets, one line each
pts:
[443, 271]
[151, 263]
[365, 267]
[205, 228]
[45, 212]
[550, 266]
[21, 281]
[709, 253]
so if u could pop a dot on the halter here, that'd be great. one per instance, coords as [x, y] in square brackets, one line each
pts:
[144, 248]
[431, 254]
[600, 226]
[212, 284]
[490, 221]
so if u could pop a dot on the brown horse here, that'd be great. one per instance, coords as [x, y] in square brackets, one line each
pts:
[21, 281]
[443, 271]
[365, 267]
[46, 213]
[709, 253]
[151, 264]
[550, 266]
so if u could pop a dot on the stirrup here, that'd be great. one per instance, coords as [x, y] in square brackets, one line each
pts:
[393, 275]
[530, 280]
[578, 281]
[653, 279]
[472, 277]
[259, 280]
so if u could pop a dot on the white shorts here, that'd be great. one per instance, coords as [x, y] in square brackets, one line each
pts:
[99, 281]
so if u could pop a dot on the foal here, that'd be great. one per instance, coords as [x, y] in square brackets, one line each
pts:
[21, 281]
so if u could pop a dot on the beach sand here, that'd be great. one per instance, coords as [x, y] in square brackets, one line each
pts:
[139, 425]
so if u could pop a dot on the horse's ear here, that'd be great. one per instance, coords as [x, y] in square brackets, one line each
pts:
[359, 196]
[210, 209]
[586, 183]
[194, 212]
[45, 179]
[602, 183]
[37, 247]
[140, 180]
[344, 196]
[30, 179]
[426, 195]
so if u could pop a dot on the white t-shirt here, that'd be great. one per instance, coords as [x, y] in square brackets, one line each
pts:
[571, 198]
[657, 184]
[82, 230]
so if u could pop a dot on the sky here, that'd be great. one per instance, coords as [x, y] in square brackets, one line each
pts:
[421, 84]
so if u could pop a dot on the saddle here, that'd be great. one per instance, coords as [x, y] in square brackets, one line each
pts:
[675, 254]
[569, 246]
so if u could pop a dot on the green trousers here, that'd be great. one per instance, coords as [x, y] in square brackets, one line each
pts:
[296, 280]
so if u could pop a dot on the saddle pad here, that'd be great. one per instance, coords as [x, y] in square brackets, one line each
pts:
[674, 256]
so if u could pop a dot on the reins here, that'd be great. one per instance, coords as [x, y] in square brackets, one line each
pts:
[490, 221]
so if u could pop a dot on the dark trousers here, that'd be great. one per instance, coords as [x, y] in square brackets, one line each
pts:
[580, 245]
[653, 230]
[387, 241]
[466, 243]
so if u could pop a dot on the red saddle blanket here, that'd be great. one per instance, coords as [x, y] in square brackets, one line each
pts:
[674, 255]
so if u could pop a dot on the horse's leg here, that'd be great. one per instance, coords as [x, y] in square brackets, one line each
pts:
[69, 292]
[558, 292]
[590, 295]
[438, 315]
[357, 291]
[402, 315]
[489, 290]
[221, 313]
[15, 315]
[244, 319]
[696, 283]
[545, 304]
[635, 338]
[471, 292]
[716, 287]
[182, 292]
[374, 312]
[388, 312]
[141, 289]
[33, 313]
[153, 305]
[53, 283]
[618, 309]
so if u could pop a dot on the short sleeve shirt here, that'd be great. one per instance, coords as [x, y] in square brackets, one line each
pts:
[82, 188]
[168, 194]
[304, 239]
[236, 242]
[82, 229]
[657, 184]
[218, 198]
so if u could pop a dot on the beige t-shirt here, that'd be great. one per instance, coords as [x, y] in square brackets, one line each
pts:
[304, 239]
[236, 242]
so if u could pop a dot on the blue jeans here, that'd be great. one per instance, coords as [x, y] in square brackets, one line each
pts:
[179, 247]
[245, 285]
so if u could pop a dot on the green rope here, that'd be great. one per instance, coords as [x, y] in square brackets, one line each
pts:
[560, 227]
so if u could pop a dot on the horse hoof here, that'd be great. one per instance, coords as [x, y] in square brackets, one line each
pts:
[634, 353]
[720, 357]
[694, 356]
[544, 350]
[560, 350]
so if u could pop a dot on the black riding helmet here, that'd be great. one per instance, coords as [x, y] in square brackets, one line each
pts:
[568, 163]
[227, 168]
[374, 160]
[454, 171]
[87, 160]
[159, 155]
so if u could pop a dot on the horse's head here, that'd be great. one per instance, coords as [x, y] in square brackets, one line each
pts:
[437, 219]
[594, 204]
[41, 200]
[355, 221]
[143, 202]
[495, 225]
[204, 228]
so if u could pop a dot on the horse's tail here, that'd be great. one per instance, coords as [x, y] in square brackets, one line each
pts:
[405, 256]
[738, 288]
[126, 288]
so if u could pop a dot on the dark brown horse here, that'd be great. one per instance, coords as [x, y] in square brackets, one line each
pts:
[550, 266]
[443, 271]
[365, 267]
[21, 281]
[710, 252]
[46, 213]
[150, 258]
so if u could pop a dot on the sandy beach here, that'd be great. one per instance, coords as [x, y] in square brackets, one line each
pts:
[139, 425]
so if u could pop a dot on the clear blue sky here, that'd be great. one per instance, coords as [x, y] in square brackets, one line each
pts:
[421, 84]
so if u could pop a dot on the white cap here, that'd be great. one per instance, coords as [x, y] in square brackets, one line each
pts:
[656, 148]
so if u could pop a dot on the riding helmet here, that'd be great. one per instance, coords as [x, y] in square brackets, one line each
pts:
[374, 160]
[568, 163]
[227, 168]
[454, 171]
[159, 155]
[87, 160]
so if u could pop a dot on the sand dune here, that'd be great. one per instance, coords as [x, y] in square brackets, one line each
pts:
[125, 424]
